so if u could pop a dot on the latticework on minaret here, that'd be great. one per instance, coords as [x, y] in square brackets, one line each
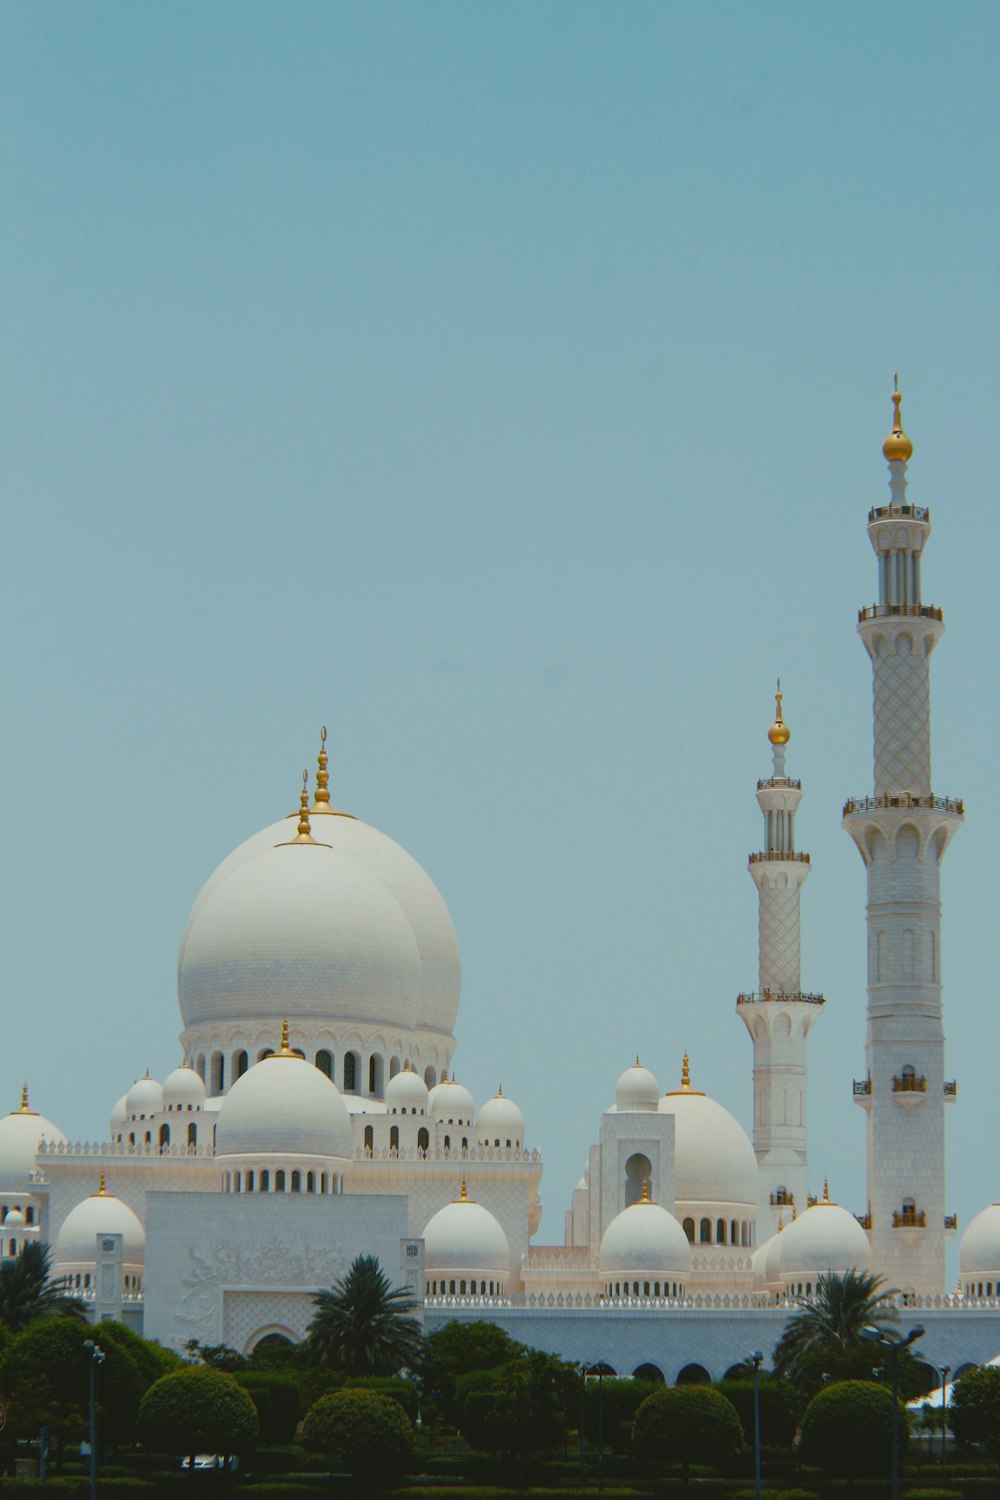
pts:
[778, 1014]
[901, 833]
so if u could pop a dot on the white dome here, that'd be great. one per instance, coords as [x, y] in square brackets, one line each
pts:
[362, 853]
[499, 1119]
[14, 1222]
[144, 1098]
[825, 1238]
[451, 1104]
[465, 1236]
[102, 1213]
[20, 1133]
[979, 1252]
[636, 1089]
[302, 932]
[714, 1161]
[407, 1091]
[645, 1239]
[183, 1088]
[119, 1114]
[283, 1106]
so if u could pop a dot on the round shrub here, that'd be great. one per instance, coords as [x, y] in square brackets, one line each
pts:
[687, 1424]
[278, 1403]
[847, 1429]
[197, 1410]
[779, 1409]
[975, 1410]
[362, 1432]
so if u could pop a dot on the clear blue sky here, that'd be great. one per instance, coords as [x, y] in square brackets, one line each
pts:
[504, 386]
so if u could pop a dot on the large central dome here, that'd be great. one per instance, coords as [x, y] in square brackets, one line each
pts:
[356, 932]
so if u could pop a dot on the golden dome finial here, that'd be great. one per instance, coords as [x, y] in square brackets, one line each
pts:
[645, 1191]
[499, 1090]
[322, 806]
[826, 1190]
[795, 1213]
[102, 1187]
[444, 1075]
[897, 446]
[464, 1198]
[284, 1035]
[303, 836]
[781, 1223]
[779, 732]
[685, 1073]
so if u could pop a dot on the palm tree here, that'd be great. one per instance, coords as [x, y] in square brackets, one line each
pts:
[363, 1324]
[823, 1338]
[28, 1291]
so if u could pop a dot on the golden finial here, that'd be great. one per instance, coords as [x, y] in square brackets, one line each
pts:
[303, 836]
[645, 1191]
[499, 1090]
[781, 1223]
[685, 1087]
[826, 1190]
[26, 1108]
[637, 1063]
[284, 1050]
[322, 806]
[795, 1213]
[897, 446]
[464, 1196]
[779, 733]
[102, 1187]
[444, 1075]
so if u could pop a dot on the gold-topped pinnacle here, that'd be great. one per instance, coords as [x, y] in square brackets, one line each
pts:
[102, 1187]
[464, 1192]
[499, 1090]
[322, 806]
[444, 1075]
[685, 1087]
[897, 446]
[26, 1108]
[781, 1223]
[779, 732]
[795, 1213]
[304, 835]
[826, 1190]
[284, 1050]
[645, 1191]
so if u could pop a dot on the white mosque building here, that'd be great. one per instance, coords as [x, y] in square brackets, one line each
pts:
[316, 1115]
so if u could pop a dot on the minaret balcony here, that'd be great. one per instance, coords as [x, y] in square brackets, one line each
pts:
[950, 1224]
[865, 1220]
[908, 1089]
[787, 997]
[903, 801]
[787, 856]
[783, 783]
[885, 611]
[863, 1091]
[911, 512]
[950, 1088]
[782, 1199]
[909, 1221]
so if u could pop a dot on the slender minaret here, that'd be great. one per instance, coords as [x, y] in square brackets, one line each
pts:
[778, 1015]
[901, 833]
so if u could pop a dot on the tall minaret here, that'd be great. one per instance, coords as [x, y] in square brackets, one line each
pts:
[778, 1015]
[901, 834]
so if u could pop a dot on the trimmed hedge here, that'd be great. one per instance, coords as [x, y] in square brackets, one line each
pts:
[197, 1410]
[847, 1429]
[278, 1401]
[365, 1433]
[687, 1424]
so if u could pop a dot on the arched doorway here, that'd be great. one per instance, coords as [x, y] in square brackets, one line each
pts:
[652, 1373]
[694, 1375]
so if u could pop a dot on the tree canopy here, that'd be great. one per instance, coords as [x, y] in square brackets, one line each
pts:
[847, 1429]
[975, 1410]
[823, 1337]
[197, 1410]
[687, 1424]
[44, 1375]
[457, 1350]
[28, 1290]
[363, 1432]
[364, 1325]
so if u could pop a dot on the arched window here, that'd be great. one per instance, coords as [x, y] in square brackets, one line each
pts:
[149, 1138]
[237, 1180]
[279, 1181]
[447, 1143]
[465, 1143]
[720, 1232]
[218, 1073]
[423, 1140]
[192, 1136]
[29, 1215]
[369, 1139]
[164, 1137]
[705, 1232]
[394, 1139]
[350, 1072]
[310, 1182]
[638, 1171]
[265, 1181]
[324, 1061]
[375, 1074]
[241, 1063]
[430, 1077]
[296, 1182]
[249, 1182]
[394, 1066]
[689, 1230]
[734, 1232]
[199, 1066]
[322, 1183]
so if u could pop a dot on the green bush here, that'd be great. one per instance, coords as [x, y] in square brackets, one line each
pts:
[44, 1378]
[403, 1391]
[779, 1409]
[197, 1410]
[847, 1429]
[938, 1494]
[148, 1359]
[277, 1460]
[687, 1424]
[278, 1402]
[975, 1410]
[363, 1432]
[621, 1400]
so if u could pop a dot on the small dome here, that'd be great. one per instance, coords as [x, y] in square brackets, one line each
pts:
[499, 1119]
[979, 1252]
[714, 1161]
[636, 1089]
[14, 1222]
[452, 1104]
[825, 1238]
[102, 1213]
[897, 446]
[183, 1088]
[464, 1236]
[144, 1098]
[644, 1239]
[283, 1106]
[20, 1134]
[406, 1091]
[119, 1114]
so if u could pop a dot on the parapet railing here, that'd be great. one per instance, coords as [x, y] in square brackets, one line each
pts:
[779, 854]
[910, 512]
[903, 800]
[786, 783]
[862, 1088]
[122, 1148]
[753, 997]
[886, 611]
[909, 1218]
[908, 1083]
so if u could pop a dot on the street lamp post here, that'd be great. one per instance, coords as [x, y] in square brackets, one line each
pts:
[756, 1359]
[96, 1359]
[598, 1370]
[893, 1348]
[945, 1372]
